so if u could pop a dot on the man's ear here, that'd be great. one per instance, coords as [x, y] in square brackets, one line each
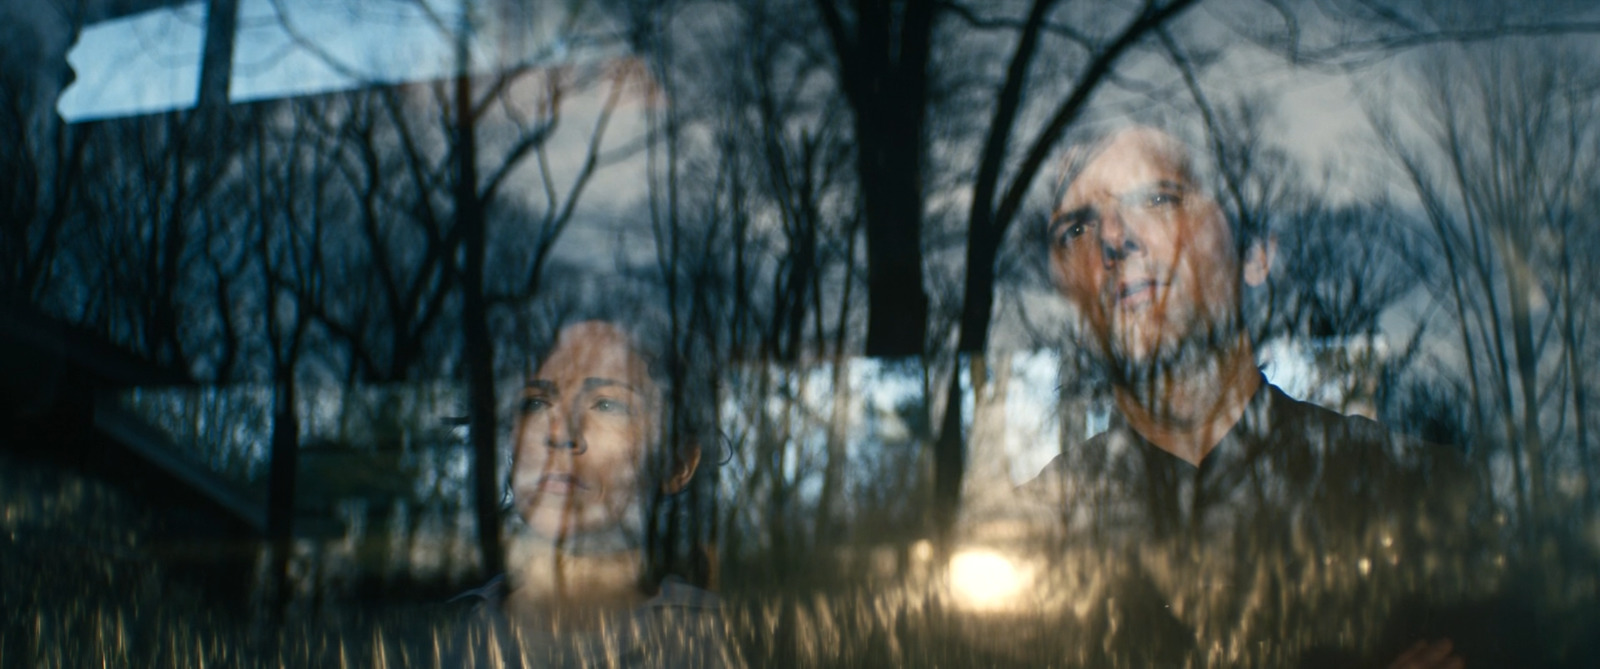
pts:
[683, 466]
[1258, 260]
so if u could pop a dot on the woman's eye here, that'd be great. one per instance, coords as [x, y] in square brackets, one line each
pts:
[1069, 232]
[533, 405]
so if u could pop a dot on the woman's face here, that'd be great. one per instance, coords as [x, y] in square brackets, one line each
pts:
[585, 422]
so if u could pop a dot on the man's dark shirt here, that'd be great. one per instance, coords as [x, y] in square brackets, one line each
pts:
[1299, 535]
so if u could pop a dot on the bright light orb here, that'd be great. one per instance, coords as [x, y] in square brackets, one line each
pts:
[983, 580]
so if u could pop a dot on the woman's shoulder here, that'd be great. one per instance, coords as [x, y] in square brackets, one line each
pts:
[489, 595]
[682, 626]
[676, 593]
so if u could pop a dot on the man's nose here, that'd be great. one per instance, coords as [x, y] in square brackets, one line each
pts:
[1116, 240]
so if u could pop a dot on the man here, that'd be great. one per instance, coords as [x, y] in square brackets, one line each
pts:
[1244, 527]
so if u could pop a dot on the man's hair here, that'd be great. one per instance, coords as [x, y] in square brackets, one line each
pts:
[1169, 146]
[1081, 153]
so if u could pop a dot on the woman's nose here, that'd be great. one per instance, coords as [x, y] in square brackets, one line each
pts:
[564, 434]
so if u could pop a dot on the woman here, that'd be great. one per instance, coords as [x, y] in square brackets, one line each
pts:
[603, 538]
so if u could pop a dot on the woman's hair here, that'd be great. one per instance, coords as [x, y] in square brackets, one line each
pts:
[688, 392]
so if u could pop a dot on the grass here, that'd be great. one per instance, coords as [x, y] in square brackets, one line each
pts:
[82, 584]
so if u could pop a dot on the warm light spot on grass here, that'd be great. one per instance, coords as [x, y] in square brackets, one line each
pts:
[984, 580]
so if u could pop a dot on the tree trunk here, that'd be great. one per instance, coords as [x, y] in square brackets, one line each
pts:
[1571, 341]
[883, 63]
[477, 347]
[949, 463]
[216, 66]
[285, 457]
[1522, 286]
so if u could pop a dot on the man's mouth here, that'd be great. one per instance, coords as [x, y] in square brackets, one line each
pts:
[1135, 293]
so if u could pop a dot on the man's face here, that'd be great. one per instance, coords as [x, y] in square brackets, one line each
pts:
[1148, 261]
[585, 421]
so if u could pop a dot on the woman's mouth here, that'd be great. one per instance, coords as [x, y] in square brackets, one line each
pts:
[559, 484]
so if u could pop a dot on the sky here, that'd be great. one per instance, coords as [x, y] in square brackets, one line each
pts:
[150, 62]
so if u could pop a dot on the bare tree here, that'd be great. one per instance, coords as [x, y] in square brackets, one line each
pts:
[772, 185]
[1500, 173]
[287, 218]
[488, 127]
[44, 161]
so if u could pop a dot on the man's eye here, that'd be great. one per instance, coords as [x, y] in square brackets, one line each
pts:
[1161, 200]
[608, 405]
[531, 405]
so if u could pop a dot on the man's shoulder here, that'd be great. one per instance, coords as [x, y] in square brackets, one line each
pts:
[1285, 414]
[1355, 456]
[1351, 437]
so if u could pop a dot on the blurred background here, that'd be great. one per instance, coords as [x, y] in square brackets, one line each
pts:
[271, 272]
